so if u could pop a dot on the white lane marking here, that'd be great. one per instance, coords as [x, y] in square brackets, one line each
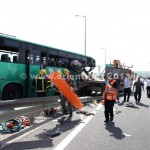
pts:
[71, 136]
[126, 134]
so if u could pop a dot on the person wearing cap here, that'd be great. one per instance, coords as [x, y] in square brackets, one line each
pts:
[127, 87]
[68, 78]
[109, 96]
[41, 83]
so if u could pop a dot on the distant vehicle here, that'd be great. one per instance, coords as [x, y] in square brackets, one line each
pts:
[118, 73]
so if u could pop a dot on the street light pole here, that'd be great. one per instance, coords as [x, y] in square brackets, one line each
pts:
[84, 32]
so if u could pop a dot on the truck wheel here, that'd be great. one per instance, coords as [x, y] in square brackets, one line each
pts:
[12, 91]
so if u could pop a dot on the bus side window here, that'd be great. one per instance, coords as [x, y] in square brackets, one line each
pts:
[53, 63]
[49, 62]
[15, 59]
[31, 59]
[58, 62]
[5, 58]
[27, 57]
[37, 59]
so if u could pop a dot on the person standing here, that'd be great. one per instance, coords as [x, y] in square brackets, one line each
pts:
[138, 85]
[148, 87]
[127, 88]
[41, 83]
[73, 85]
[110, 95]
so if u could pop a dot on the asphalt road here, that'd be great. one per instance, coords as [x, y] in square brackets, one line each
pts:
[130, 130]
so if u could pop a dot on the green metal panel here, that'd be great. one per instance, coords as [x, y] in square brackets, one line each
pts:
[23, 75]
[12, 73]
[108, 65]
[33, 72]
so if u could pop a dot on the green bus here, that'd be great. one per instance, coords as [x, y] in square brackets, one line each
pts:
[20, 62]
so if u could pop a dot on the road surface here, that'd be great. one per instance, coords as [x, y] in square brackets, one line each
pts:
[130, 130]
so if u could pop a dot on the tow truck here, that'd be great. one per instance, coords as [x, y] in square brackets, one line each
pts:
[90, 85]
[118, 72]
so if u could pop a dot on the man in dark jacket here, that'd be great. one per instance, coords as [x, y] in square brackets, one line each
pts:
[138, 88]
[41, 83]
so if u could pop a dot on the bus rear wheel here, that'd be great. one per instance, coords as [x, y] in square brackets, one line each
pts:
[12, 91]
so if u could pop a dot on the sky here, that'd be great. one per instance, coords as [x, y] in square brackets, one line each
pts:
[121, 28]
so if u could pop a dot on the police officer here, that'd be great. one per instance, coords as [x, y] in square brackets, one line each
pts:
[41, 83]
[110, 95]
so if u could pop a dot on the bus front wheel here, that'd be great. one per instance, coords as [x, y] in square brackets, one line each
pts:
[12, 91]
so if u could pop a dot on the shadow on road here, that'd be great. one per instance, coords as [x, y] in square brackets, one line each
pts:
[45, 138]
[132, 106]
[116, 132]
[144, 105]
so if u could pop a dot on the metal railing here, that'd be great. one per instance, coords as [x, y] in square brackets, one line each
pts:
[13, 108]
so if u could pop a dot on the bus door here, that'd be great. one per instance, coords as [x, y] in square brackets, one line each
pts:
[33, 70]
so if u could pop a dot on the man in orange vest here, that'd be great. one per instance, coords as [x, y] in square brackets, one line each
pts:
[110, 95]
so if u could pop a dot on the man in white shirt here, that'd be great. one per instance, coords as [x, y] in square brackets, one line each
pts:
[148, 87]
[127, 88]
